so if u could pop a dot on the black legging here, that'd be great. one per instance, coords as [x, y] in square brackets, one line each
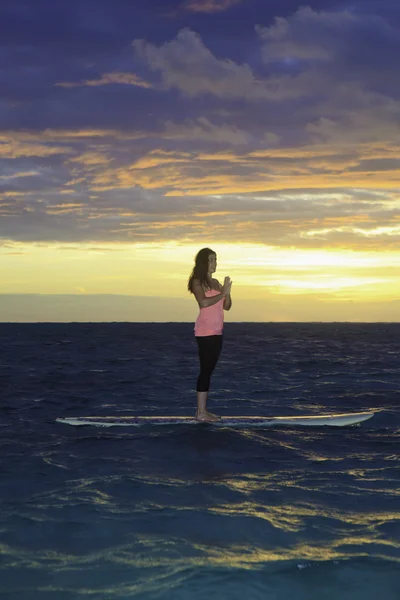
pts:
[209, 350]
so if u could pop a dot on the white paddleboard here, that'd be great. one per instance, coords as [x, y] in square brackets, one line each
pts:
[308, 421]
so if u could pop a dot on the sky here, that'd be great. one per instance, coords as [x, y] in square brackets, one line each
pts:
[133, 134]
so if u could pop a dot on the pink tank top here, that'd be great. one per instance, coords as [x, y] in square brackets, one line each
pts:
[211, 318]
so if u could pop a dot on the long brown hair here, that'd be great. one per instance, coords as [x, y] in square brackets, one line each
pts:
[200, 269]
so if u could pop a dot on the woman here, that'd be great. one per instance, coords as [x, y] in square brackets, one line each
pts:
[212, 299]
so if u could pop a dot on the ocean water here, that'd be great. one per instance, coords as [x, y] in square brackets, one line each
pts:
[193, 512]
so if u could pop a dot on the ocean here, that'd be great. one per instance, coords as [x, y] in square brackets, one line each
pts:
[196, 511]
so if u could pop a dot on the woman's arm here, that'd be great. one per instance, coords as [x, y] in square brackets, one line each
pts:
[227, 299]
[201, 298]
[227, 302]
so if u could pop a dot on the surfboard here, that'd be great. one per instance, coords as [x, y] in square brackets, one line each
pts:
[229, 421]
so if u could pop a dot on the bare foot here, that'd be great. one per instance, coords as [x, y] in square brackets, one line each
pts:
[208, 417]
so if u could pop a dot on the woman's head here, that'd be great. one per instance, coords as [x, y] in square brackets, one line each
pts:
[205, 263]
[204, 258]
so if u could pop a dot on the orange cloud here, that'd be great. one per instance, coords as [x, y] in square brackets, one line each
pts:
[310, 167]
[13, 148]
[108, 79]
[91, 158]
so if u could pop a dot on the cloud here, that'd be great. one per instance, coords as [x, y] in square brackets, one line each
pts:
[87, 135]
[278, 140]
[17, 175]
[322, 37]
[338, 50]
[246, 170]
[307, 53]
[186, 64]
[11, 147]
[306, 35]
[204, 129]
[91, 159]
[356, 117]
[109, 79]
[209, 6]
[286, 218]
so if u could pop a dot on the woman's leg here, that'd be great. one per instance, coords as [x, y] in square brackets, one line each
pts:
[202, 398]
[209, 351]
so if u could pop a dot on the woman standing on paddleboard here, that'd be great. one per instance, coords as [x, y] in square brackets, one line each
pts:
[213, 298]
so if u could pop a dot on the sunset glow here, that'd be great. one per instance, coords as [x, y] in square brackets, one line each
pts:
[123, 156]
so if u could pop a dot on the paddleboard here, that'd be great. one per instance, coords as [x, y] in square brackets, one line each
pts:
[230, 421]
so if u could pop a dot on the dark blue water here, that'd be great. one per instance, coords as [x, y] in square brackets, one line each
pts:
[194, 511]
